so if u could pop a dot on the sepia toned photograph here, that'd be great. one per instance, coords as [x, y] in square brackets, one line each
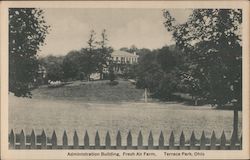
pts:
[125, 79]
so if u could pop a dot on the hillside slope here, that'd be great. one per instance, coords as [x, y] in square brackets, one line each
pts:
[92, 91]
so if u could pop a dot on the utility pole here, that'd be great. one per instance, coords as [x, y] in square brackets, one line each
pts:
[145, 95]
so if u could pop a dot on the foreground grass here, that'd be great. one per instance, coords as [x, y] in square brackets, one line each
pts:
[71, 115]
[70, 108]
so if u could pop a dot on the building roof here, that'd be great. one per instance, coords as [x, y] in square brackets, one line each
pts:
[119, 53]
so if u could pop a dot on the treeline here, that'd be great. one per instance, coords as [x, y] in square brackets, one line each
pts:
[160, 71]
[79, 64]
[206, 61]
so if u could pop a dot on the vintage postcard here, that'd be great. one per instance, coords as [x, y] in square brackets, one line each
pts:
[124, 80]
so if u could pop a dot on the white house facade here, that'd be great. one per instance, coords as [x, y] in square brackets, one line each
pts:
[124, 57]
[120, 59]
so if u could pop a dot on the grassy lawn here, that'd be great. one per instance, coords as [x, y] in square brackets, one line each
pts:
[99, 91]
[76, 107]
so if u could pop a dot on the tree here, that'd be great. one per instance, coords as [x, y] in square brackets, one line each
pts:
[89, 63]
[96, 56]
[27, 31]
[130, 71]
[212, 40]
[71, 65]
[103, 53]
[91, 42]
[141, 52]
[158, 71]
[54, 67]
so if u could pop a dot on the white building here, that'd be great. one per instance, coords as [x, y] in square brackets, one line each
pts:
[120, 59]
[124, 57]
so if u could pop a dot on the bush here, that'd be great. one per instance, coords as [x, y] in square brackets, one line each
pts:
[112, 76]
[113, 83]
[82, 76]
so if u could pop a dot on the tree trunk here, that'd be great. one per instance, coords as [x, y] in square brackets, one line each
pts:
[196, 101]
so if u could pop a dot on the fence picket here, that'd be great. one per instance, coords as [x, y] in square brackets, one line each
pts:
[18, 141]
[65, 140]
[86, 140]
[192, 140]
[108, 140]
[182, 140]
[22, 140]
[171, 140]
[97, 140]
[129, 140]
[233, 140]
[32, 140]
[161, 141]
[203, 141]
[43, 140]
[75, 141]
[140, 140]
[241, 142]
[118, 140]
[12, 139]
[54, 140]
[213, 141]
[223, 140]
[150, 140]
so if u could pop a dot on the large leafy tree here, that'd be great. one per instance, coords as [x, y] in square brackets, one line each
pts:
[71, 65]
[158, 71]
[212, 40]
[53, 66]
[27, 31]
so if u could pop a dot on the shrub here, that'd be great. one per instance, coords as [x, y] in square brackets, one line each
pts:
[113, 83]
[112, 76]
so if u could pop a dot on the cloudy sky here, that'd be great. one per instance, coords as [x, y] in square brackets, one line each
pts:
[70, 28]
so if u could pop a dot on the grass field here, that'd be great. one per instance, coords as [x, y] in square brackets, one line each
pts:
[95, 91]
[73, 108]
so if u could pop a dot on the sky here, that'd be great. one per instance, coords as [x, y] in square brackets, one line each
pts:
[70, 28]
